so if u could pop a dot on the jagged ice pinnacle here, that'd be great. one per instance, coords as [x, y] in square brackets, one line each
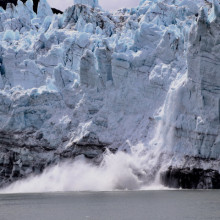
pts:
[91, 3]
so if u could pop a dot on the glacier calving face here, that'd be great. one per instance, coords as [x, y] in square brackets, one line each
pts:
[76, 83]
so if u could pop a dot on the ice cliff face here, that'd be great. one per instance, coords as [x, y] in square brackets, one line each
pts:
[78, 83]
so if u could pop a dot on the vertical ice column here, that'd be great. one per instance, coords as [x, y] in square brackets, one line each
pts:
[1, 74]
[44, 9]
[87, 69]
[25, 12]
[216, 7]
[104, 58]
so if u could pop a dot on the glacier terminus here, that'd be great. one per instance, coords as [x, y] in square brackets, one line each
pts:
[129, 98]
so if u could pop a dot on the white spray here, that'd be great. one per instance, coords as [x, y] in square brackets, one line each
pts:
[120, 171]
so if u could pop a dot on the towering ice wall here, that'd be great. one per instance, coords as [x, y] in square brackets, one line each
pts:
[200, 106]
[78, 83]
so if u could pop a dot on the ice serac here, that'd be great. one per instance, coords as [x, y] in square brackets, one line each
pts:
[104, 58]
[88, 73]
[200, 107]
[198, 121]
[140, 83]
[32, 3]
[44, 9]
[91, 3]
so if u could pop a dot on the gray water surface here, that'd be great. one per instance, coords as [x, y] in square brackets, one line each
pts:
[142, 205]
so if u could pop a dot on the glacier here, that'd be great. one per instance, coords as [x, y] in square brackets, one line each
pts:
[137, 85]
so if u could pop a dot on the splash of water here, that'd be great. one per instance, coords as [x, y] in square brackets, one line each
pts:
[120, 171]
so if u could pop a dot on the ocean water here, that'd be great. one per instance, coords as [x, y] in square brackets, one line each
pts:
[127, 205]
